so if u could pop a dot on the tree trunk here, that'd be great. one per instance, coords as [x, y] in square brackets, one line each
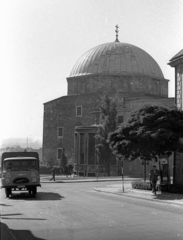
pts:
[108, 168]
[144, 170]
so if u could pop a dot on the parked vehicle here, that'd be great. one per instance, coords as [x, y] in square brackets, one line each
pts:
[20, 172]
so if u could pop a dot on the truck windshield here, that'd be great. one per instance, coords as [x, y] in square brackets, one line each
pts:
[19, 165]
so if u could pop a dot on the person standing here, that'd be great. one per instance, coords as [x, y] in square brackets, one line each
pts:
[53, 174]
[154, 173]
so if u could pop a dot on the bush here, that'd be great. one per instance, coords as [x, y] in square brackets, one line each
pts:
[171, 188]
[141, 185]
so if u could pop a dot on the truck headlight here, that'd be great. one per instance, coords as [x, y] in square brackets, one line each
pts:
[34, 180]
[7, 181]
[33, 174]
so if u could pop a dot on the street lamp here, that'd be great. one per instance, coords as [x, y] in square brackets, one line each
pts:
[122, 175]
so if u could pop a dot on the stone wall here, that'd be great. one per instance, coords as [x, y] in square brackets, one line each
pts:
[178, 168]
[61, 112]
[112, 83]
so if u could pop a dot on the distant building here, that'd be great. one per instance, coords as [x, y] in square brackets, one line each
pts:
[120, 69]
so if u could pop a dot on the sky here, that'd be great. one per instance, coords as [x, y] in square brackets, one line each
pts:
[41, 40]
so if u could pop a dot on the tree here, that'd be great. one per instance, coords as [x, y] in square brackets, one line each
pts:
[50, 160]
[150, 132]
[108, 109]
[63, 161]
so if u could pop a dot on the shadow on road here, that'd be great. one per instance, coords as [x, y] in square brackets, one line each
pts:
[6, 233]
[11, 216]
[5, 205]
[168, 196]
[41, 196]
[24, 218]
[24, 234]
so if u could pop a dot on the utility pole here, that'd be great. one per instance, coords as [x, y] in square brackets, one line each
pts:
[144, 170]
[122, 175]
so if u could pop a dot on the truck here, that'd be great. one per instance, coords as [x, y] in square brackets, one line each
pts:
[20, 172]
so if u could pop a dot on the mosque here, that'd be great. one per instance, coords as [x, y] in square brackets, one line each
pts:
[119, 69]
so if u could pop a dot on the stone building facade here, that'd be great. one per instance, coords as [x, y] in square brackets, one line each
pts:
[177, 63]
[121, 70]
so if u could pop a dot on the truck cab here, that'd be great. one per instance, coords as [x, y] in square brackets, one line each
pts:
[20, 172]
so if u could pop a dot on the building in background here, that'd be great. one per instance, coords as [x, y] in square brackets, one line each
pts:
[121, 70]
[177, 63]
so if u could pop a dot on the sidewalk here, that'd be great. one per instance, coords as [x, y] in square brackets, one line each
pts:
[169, 198]
[59, 179]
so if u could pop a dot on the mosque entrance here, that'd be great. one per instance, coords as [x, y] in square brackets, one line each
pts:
[87, 162]
[85, 153]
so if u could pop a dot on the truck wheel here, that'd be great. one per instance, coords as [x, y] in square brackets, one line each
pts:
[8, 192]
[30, 191]
[34, 191]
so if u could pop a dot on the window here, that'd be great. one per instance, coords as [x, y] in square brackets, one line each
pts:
[120, 119]
[59, 153]
[28, 165]
[78, 111]
[60, 132]
[20, 165]
[156, 87]
[14, 165]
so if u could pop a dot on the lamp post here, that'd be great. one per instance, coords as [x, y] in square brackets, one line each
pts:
[97, 163]
[122, 175]
[144, 170]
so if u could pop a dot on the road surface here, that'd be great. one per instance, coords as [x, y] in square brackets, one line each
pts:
[74, 211]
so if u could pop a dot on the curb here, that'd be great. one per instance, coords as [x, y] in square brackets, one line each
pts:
[138, 197]
[84, 180]
[77, 181]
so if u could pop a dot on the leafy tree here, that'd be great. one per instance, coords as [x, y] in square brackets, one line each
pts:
[69, 169]
[150, 132]
[51, 158]
[108, 109]
[63, 162]
[14, 148]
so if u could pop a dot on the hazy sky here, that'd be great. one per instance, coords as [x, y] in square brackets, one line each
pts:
[42, 39]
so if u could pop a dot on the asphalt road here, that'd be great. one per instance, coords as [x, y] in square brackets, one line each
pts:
[74, 211]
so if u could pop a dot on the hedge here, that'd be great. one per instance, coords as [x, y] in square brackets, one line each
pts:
[171, 188]
[141, 185]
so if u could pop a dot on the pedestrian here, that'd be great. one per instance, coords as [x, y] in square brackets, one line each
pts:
[154, 173]
[53, 174]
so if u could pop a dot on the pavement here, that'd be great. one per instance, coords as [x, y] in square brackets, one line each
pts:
[125, 190]
[120, 189]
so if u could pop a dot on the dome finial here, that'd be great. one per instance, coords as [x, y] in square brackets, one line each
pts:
[116, 33]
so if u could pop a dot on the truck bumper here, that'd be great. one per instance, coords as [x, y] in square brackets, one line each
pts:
[21, 186]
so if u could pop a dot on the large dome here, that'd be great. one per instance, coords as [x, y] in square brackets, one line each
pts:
[116, 58]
